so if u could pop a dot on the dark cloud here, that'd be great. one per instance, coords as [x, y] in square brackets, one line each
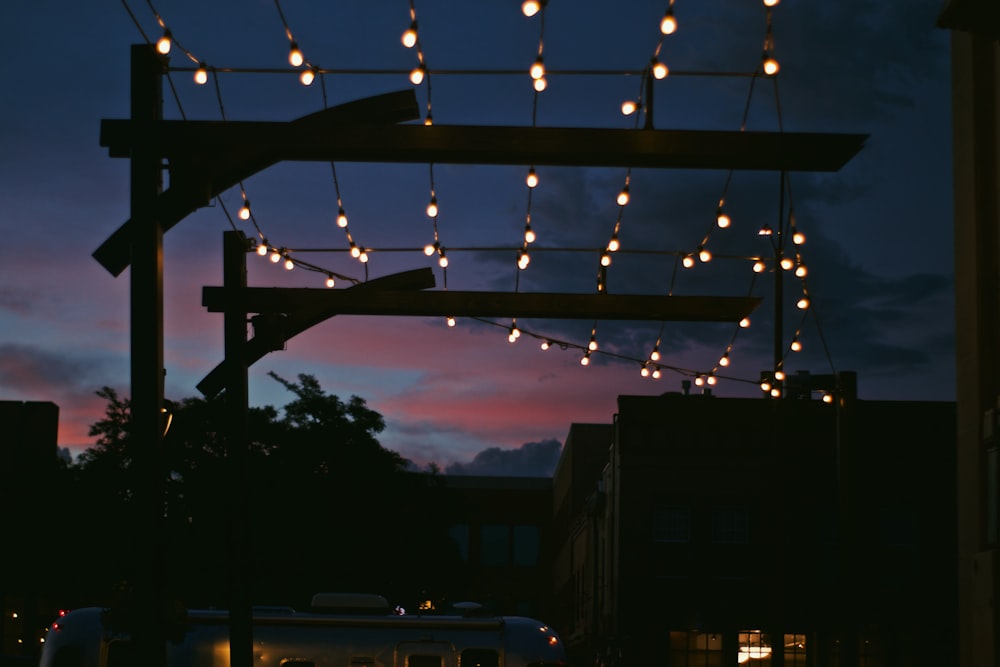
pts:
[532, 459]
[25, 370]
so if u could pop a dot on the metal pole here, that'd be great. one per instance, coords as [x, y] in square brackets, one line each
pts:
[147, 356]
[779, 254]
[234, 275]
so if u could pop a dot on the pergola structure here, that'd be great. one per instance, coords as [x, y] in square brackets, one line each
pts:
[206, 158]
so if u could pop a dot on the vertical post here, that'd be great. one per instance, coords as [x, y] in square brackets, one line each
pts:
[147, 356]
[234, 276]
[846, 383]
[779, 255]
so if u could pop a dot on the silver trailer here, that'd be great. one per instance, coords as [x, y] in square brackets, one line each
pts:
[339, 631]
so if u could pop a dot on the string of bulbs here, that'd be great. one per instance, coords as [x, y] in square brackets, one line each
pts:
[653, 364]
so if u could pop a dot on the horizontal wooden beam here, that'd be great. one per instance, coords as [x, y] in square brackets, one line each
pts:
[483, 304]
[470, 144]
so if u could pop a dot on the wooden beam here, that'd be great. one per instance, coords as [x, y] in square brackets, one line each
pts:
[488, 304]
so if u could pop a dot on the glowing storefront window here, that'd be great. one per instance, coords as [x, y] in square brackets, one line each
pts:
[754, 649]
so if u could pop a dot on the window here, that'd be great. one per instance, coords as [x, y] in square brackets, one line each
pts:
[459, 534]
[755, 648]
[526, 545]
[509, 545]
[730, 526]
[695, 649]
[495, 545]
[671, 524]
[795, 650]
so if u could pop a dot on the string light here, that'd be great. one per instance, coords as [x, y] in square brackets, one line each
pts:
[623, 196]
[537, 70]
[592, 345]
[585, 359]
[295, 57]
[442, 259]
[289, 264]
[628, 107]
[341, 218]
[532, 178]
[546, 344]
[803, 303]
[201, 74]
[330, 282]
[450, 321]
[531, 7]
[721, 218]
[827, 397]
[787, 263]
[308, 76]
[245, 210]
[540, 84]
[417, 75]
[644, 370]
[668, 25]
[659, 69]
[605, 258]
[759, 266]
[529, 234]
[409, 37]
[432, 207]
[798, 238]
[688, 261]
[704, 254]
[801, 271]
[275, 257]
[523, 260]
[724, 359]
[613, 244]
[656, 373]
[745, 323]
[655, 354]
[163, 44]
[796, 345]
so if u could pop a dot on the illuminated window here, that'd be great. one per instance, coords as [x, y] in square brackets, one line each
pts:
[795, 650]
[695, 649]
[754, 649]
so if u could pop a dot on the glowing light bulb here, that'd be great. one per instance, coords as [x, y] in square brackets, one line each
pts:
[798, 238]
[787, 263]
[699, 380]
[585, 359]
[330, 282]
[704, 254]
[307, 76]
[722, 220]
[623, 196]
[341, 218]
[758, 266]
[545, 345]
[530, 7]
[409, 37]
[668, 25]
[770, 65]
[765, 231]
[656, 373]
[430, 249]
[443, 261]
[523, 259]
[355, 251]
[711, 379]
[429, 120]
[655, 354]
[432, 208]
[613, 244]
[450, 321]
[537, 70]
[796, 346]
[628, 107]
[660, 70]
[363, 257]
[532, 178]
[765, 386]
[771, 3]
[775, 392]
[605, 259]
[275, 257]
[289, 264]
[201, 74]
[745, 323]
[688, 261]
[540, 84]
[417, 75]
[828, 398]
[779, 375]
[644, 371]
[262, 249]
[724, 360]
[592, 345]
[295, 58]
[245, 210]
[802, 303]
[163, 44]
[529, 234]
[801, 271]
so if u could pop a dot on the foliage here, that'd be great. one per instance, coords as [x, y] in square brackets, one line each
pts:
[328, 507]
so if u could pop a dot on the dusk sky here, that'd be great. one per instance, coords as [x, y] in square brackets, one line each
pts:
[879, 247]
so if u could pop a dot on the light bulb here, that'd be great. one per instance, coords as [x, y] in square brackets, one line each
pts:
[770, 65]
[432, 208]
[628, 107]
[765, 231]
[450, 321]
[802, 303]
[828, 398]
[537, 70]
[523, 260]
[330, 282]
[765, 386]
[796, 346]
[585, 359]
[668, 25]
[592, 345]
[245, 210]
[307, 76]
[443, 261]
[656, 373]
[801, 271]
[711, 379]
[787, 263]
[417, 75]
[644, 371]
[655, 354]
[775, 392]
[163, 44]
[262, 249]
[289, 264]
[295, 58]
[758, 266]
[605, 259]
[745, 323]
[532, 178]
[409, 37]
[771, 3]
[688, 261]
[430, 249]
[724, 360]
[613, 244]
[722, 219]
[201, 74]
[779, 375]
[529, 234]
[275, 257]
[660, 70]
[704, 254]
[341, 218]
[699, 380]
[363, 257]
[530, 7]
[355, 251]
[545, 345]
[623, 196]
[429, 120]
[798, 238]
[540, 84]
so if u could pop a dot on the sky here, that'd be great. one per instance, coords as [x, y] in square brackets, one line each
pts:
[879, 247]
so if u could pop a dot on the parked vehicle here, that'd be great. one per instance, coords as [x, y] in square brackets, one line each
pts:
[339, 631]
